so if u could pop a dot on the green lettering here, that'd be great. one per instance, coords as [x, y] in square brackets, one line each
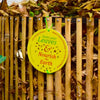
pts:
[39, 39]
[46, 41]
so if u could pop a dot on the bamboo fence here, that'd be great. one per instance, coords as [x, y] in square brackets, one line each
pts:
[18, 73]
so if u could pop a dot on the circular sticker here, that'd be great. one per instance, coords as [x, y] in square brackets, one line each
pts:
[47, 51]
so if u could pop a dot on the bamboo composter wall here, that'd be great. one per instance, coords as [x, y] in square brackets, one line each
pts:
[17, 73]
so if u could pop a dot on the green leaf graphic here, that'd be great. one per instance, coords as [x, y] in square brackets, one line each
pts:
[2, 59]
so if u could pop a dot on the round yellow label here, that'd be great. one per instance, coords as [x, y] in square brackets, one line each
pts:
[47, 51]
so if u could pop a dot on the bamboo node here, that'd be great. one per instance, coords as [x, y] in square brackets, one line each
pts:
[6, 35]
[49, 91]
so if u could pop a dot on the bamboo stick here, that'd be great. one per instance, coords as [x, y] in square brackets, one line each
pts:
[40, 75]
[30, 66]
[11, 56]
[89, 60]
[0, 37]
[79, 57]
[3, 55]
[58, 90]
[0, 53]
[7, 60]
[68, 64]
[23, 53]
[16, 59]
[99, 60]
[49, 76]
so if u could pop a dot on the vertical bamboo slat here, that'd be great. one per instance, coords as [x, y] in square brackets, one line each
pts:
[99, 59]
[3, 55]
[23, 53]
[68, 64]
[58, 90]
[49, 76]
[89, 59]
[0, 53]
[30, 66]
[79, 57]
[0, 38]
[40, 75]
[7, 60]
[11, 56]
[16, 59]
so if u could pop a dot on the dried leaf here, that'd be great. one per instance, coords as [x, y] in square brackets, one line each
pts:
[45, 7]
[24, 3]
[29, 3]
[3, 13]
[1, 67]
[89, 6]
[23, 11]
[45, 13]
[97, 9]
[90, 15]
[84, 4]
[38, 15]
[71, 7]
[33, 5]
[13, 11]
[4, 5]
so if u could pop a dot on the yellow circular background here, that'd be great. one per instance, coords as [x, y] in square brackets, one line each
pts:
[47, 51]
